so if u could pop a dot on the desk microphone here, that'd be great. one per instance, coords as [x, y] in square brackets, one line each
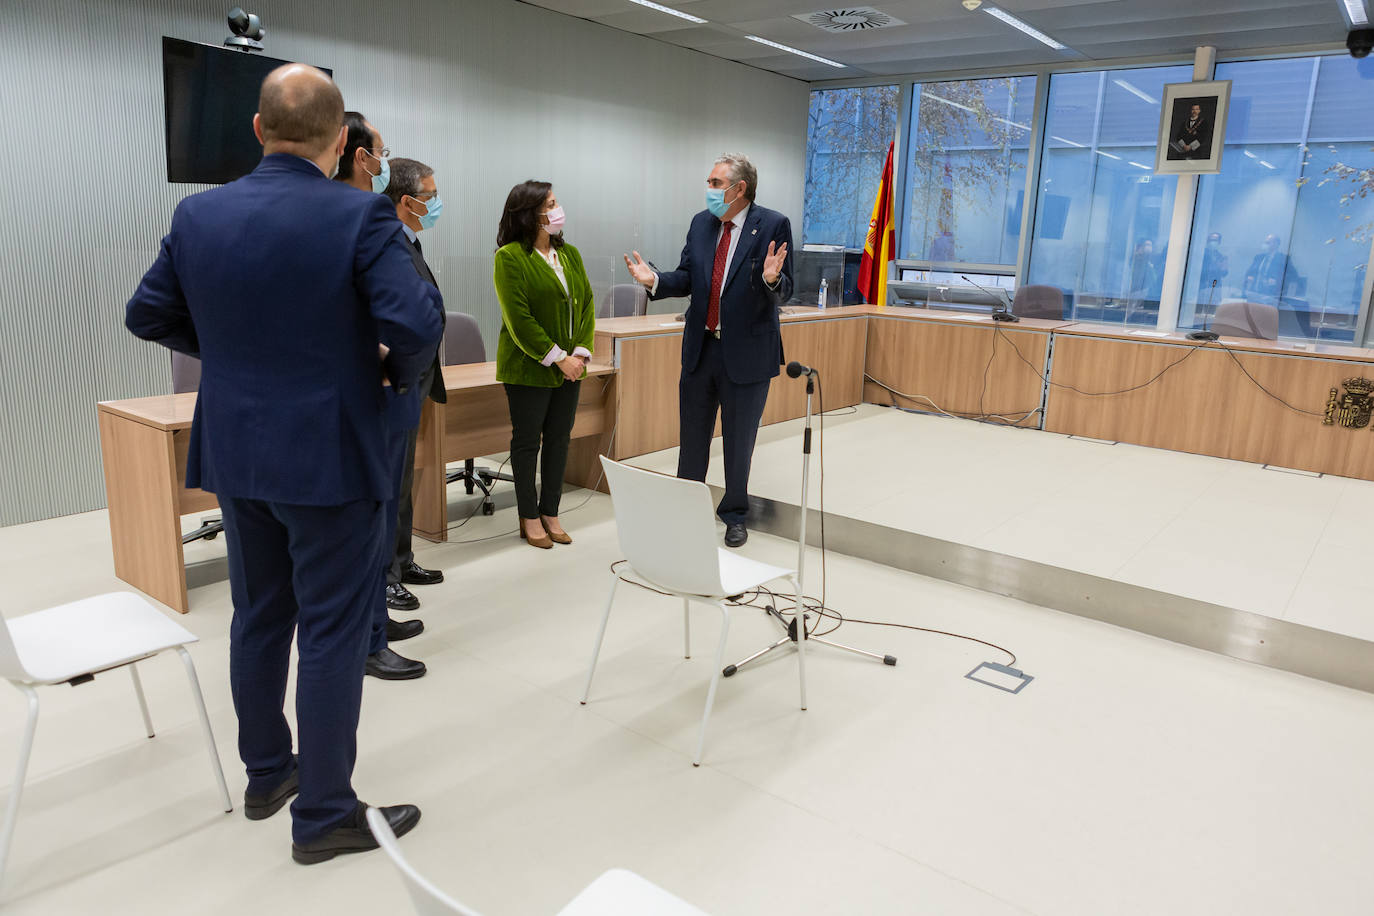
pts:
[999, 312]
[796, 369]
[1207, 333]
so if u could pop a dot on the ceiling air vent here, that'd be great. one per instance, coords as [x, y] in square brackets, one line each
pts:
[849, 19]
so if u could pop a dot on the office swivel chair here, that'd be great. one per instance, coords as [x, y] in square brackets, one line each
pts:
[186, 377]
[463, 345]
[624, 300]
[1037, 301]
[1238, 318]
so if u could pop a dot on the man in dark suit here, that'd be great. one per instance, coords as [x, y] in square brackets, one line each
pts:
[1268, 273]
[416, 197]
[283, 283]
[737, 268]
[366, 165]
[1192, 136]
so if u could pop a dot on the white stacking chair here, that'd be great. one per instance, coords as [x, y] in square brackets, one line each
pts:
[667, 532]
[616, 893]
[73, 643]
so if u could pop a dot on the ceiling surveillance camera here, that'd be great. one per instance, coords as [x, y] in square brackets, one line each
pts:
[1360, 42]
[247, 29]
[972, 5]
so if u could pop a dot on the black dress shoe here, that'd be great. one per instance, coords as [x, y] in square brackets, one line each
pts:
[397, 630]
[258, 807]
[389, 666]
[415, 574]
[736, 534]
[399, 598]
[354, 835]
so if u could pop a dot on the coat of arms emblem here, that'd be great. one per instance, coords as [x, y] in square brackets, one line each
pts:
[1354, 409]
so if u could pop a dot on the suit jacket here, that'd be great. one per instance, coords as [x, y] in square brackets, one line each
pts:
[283, 282]
[404, 406]
[537, 313]
[1271, 274]
[748, 307]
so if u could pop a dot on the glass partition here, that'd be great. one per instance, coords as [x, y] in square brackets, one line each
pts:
[847, 135]
[1101, 229]
[966, 171]
[1286, 225]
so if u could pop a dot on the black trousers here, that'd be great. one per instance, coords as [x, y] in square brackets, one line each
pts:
[702, 392]
[540, 415]
[404, 553]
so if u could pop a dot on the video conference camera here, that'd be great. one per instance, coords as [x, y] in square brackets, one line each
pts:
[247, 29]
[1360, 42]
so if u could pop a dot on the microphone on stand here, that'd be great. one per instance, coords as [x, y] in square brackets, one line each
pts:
[999, 312]
[796, 369]
[1207, 333]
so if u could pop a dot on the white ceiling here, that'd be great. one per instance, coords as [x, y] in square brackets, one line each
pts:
[940, 35]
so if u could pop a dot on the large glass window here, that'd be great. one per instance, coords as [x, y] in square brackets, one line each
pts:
[847, 136]
[1286, 224]
[965, 179]
[1101, 229]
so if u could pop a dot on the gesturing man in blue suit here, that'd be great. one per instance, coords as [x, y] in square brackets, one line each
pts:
[283, 283]
[737, 268]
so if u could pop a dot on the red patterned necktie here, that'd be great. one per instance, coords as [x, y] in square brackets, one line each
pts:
[717, 278]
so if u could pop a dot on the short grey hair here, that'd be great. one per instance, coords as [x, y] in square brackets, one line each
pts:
[406, 176]
[741, 169]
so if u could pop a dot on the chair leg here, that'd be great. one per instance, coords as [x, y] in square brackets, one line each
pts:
[600, 635]
[801, 640]
[20, 771]
[142, 700]
[205, 724]
[686, 628]
[715, 679]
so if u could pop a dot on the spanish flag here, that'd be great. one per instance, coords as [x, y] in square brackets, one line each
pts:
[881, 244]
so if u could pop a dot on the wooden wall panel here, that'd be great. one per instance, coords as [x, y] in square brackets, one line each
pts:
[947, 362]
[1206, 404]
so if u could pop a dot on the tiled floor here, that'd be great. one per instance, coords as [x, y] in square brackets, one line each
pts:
[1133, 776]
[1271, 542]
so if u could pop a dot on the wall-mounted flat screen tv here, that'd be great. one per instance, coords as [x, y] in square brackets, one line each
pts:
[211, 95]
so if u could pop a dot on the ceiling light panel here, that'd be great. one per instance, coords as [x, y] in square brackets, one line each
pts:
[669, 10]
[1026, 27]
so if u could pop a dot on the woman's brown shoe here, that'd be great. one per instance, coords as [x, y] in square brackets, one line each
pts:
[543, 543]
[558, 537]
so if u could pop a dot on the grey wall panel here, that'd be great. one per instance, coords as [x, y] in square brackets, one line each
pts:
[489, 92]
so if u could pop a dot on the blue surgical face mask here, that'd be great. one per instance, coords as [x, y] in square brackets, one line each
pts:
[715, 202]
[436, 206]
[382, 178]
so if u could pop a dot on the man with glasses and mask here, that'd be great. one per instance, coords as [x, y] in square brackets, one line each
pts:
[737, 269]
[366, 165]
[416, 197]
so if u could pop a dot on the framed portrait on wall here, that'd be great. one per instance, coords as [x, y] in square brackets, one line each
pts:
[1192, 128]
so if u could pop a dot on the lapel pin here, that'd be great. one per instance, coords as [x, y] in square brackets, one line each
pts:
[755, 232]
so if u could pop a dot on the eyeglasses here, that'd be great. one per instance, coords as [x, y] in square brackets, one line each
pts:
[384, 154]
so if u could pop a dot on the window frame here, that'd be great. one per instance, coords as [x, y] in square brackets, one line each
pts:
[1364, 328]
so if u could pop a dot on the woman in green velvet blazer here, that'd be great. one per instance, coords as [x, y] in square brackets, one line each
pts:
[548, 319]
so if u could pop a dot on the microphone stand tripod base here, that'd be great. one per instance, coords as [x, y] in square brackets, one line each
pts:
[794, 630]
[1203, 335]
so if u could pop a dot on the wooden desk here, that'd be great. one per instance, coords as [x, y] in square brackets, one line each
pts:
[945, 357]
[476, 422]
[647, 352]
[143, 444]
[1203, 402]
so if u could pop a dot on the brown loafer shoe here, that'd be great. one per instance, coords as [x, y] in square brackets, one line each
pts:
[556, 537]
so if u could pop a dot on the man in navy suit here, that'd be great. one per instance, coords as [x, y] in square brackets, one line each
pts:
[737, 268]
[364, 150]
[283, 283]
